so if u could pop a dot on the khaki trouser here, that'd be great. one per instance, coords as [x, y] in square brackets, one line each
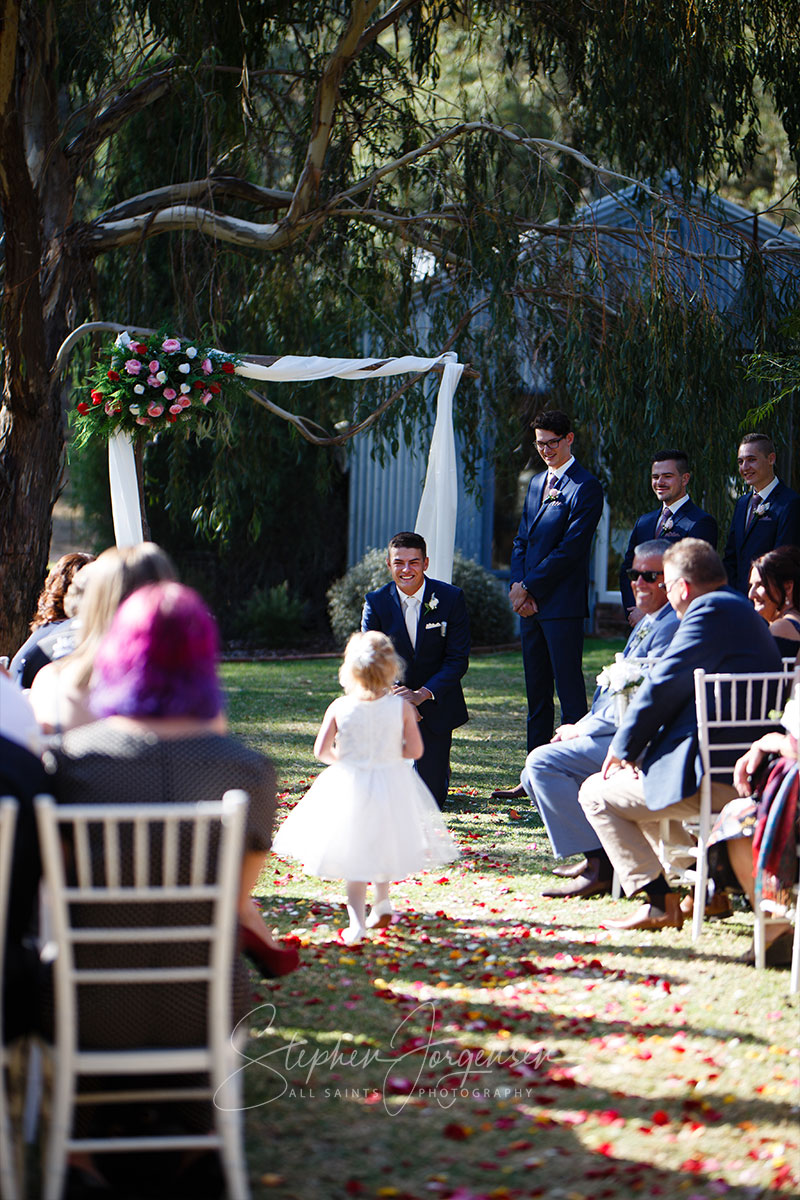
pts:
[629, 831]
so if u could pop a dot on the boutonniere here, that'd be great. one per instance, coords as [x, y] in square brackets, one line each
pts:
[553, 497]
[668, 525]
[432, 604]
[762, 509]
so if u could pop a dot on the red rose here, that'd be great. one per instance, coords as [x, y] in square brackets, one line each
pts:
[214, 388]
[112, 375]
[228, 368]
[170, 418]
[199, 384]
[141, 349]
[97, 397]
[83, 408]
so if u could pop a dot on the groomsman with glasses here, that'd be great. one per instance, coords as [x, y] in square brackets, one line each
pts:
[676, 517]
[766, 516]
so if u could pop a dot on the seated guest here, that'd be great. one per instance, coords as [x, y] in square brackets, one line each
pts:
[775, 595]
[652, 770]
[52, 627]
[757, 832]
[60, 691]
[553, 774]
[22, 777]
[161, 739]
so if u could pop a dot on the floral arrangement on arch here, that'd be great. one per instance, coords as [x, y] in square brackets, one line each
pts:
[142, 387]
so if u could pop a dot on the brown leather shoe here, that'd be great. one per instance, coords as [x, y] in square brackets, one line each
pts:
[778, 952]
[717, 908]
[582, 886]
[648, 916]
[570, 870]
[509, 793]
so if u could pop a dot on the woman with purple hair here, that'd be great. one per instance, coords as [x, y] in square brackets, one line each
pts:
[161, 738]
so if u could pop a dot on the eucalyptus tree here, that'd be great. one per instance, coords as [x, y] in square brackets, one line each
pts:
[146, 142]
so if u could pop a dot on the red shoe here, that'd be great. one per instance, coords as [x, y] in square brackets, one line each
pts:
[270, 960]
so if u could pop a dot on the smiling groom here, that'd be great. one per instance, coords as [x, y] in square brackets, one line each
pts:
[428, 624]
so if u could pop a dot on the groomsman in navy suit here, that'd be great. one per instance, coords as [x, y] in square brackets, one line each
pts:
[550, 577]
[766, 516]
[429, 627]
[677, 517]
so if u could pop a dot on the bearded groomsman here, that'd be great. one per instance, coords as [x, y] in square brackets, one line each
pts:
[550, 577]
[766, 516]
[677, 517]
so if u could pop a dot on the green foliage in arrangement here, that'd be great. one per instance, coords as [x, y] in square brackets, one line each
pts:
[490, 616]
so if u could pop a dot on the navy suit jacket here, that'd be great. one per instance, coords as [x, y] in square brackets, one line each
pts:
[779, 526]
[719, 631]
[689, 521]
[551, 550]
[441, 655]
[600, 720]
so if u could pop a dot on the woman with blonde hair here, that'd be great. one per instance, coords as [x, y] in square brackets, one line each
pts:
[60, 692]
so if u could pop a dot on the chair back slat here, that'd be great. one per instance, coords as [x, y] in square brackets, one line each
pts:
[9, 1160]
[733, 711]
[141, 853]
[169, 868]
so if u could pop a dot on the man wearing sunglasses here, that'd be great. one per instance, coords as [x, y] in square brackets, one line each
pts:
[553, 774]
[550, 576]
[652, 770]
[676, 517]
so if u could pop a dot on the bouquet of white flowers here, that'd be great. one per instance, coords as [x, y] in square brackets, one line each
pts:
[622, 679]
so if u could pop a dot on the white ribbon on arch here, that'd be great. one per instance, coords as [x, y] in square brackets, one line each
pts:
[436, 518]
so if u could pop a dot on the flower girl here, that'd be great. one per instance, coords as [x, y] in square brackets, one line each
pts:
[369, 816]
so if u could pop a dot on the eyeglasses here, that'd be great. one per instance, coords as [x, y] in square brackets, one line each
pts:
[550, 444]
[666, 586]
[647, 576]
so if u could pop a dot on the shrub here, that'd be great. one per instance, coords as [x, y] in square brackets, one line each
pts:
[271, 617]
[490, 617]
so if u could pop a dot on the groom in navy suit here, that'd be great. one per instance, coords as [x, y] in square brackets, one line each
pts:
[768, 515]
[550, 577]
[677, 517]
[429, 627]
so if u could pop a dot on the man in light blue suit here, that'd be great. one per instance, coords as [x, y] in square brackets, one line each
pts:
[676, 517]
[653, 769]
[553, 774]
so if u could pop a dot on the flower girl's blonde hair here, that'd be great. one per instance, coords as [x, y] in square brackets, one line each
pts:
[370, 664]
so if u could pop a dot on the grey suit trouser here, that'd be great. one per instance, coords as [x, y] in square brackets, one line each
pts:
[628, 830]
[552, 776]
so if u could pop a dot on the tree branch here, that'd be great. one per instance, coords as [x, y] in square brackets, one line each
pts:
[108, 121]
[215, 185]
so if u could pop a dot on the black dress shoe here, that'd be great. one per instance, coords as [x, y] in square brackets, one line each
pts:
[570, 870]
[583, 886]
[516, 793]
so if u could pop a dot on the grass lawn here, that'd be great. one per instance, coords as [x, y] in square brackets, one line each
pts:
[492, 1043]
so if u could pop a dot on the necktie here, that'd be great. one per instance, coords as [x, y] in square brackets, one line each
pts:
[412, 617]
[551, 485]
[666, 514]
[755, 500]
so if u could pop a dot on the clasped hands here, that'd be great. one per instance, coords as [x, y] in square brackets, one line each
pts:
[522, 601]
[413, 697]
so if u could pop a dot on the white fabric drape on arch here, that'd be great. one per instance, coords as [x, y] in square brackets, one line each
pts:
[436, 518]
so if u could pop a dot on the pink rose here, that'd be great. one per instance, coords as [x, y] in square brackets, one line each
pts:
[175, 409]
[153, 381]
[133, 366]
[184, 401]
[206, 396]
[155, 410]
[170, 345]
[154, 366]
[143, 421]
[109, 407]
[206, 367]
[170, 393]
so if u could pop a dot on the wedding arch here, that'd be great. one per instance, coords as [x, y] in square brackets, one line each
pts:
[436, 515]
